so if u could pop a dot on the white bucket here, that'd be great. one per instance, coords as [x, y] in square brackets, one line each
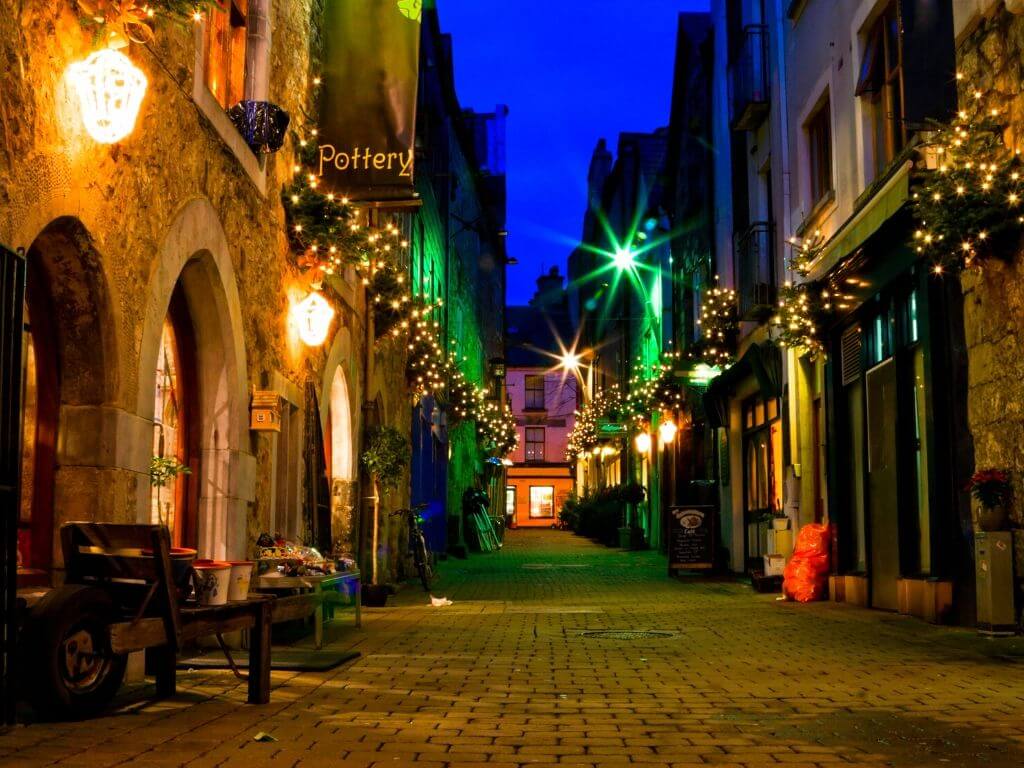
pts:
[241, 575]
[214, 582]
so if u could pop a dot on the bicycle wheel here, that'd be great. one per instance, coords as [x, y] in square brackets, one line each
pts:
[426, 572]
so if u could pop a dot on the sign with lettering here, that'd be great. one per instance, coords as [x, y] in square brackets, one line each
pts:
[367, 124]
[691, 538]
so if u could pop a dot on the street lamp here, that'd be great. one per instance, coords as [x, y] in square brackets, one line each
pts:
[623, 258]
[643, 442]
[570, 361]
[667, 431]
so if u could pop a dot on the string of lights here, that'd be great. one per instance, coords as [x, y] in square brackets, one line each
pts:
[969, 208]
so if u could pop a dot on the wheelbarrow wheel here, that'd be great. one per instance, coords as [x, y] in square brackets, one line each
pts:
[71, 671]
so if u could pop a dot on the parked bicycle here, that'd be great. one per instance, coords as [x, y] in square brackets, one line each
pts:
[418, 544]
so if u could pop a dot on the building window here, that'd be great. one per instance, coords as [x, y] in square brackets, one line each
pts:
[880, 86]
[535, 392]
[542, 501]
[510, 501]
[224, 50]
[535, 443]
[819, 152]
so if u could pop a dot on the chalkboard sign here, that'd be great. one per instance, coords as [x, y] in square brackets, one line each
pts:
[691, 538]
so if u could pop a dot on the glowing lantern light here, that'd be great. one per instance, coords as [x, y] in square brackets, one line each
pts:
[667, 431]
[312, 316]
[110, 90]
[643, 442]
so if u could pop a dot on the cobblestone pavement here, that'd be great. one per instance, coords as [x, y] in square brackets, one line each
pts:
[506, 676]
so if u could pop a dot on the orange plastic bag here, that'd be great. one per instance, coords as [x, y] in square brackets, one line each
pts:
[806, 575]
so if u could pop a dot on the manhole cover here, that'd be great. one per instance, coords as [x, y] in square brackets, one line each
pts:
[628, 634]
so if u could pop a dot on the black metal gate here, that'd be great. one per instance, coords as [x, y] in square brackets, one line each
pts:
[12, 297]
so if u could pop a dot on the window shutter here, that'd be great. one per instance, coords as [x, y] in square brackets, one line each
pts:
[850, 363]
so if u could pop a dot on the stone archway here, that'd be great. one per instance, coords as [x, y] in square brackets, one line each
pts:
[194, 256]
[73, 468]
[340, 426]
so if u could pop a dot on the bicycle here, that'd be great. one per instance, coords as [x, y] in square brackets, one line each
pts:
[418, 544]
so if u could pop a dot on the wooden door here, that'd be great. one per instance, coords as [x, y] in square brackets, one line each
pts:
[882, 485]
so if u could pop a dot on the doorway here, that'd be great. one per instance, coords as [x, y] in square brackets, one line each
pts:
[883, 492]
[175, 433]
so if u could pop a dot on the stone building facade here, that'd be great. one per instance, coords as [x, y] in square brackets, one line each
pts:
[164, 256]
[990, 46]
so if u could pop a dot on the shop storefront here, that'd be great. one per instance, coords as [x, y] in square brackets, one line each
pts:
[897, 460]
[744, 407]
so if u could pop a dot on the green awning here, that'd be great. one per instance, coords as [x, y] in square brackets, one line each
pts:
[879, 208]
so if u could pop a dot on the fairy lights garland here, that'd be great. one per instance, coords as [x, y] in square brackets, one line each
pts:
[654, 389]
[971, 207]
[718, 326]
[325, 237]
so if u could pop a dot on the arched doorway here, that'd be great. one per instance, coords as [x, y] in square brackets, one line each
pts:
[340, 459]
[194, 313]
[40, 415]
[176, 449]
[69, 378]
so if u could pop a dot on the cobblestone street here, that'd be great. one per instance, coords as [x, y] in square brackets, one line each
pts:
[507, 676]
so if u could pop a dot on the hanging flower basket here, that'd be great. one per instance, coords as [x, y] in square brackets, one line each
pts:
[263, 125]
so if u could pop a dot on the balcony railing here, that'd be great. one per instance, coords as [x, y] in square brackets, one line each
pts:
[755, 271]
[748, 78]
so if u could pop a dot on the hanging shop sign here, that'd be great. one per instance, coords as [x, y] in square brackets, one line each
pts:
[611, 428]
[366, 131]
[691, 538]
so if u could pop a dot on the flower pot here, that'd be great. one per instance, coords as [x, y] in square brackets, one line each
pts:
[990, 519]
[780, 523]
[376, 595]
[213, 581]
[241, 575]
[263, 125]
[181, 566]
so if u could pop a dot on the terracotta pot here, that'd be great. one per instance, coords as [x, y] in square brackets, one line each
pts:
[991, 519]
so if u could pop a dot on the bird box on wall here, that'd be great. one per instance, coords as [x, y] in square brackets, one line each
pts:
[266, 411]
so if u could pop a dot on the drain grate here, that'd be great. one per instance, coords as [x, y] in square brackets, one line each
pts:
[629, 634]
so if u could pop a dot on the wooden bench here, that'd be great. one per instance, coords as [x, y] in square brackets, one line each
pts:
[132, 563]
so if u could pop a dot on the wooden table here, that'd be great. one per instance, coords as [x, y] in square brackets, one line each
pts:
[330, 590]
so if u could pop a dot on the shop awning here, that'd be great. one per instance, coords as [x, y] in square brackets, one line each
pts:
[879, 207]
[762, 361]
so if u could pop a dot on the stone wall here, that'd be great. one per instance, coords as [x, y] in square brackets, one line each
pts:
[991, 59]
[113, 226]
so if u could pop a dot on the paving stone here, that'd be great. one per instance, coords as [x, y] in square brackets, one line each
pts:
[504, 678]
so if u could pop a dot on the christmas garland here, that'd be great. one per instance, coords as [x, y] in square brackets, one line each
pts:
[802, 309]
[969, 208]
[325, 236]
[719, 327]
[126, 21]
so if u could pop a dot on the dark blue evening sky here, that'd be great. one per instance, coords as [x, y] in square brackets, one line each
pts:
[571, 72]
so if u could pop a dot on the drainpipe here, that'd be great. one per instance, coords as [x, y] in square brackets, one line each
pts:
[257, 50]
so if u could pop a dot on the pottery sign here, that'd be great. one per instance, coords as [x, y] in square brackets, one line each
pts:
[367, 124]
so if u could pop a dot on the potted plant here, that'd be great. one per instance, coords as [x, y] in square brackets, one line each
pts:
[778, 519]
[164, 470]
[991, 489]
[387, 452]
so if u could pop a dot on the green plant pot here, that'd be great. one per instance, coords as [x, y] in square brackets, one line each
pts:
[376, 595]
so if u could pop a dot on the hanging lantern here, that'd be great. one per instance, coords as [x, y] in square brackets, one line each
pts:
[667, 431]
[312, 317]
[110, 90]
[643, 442]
